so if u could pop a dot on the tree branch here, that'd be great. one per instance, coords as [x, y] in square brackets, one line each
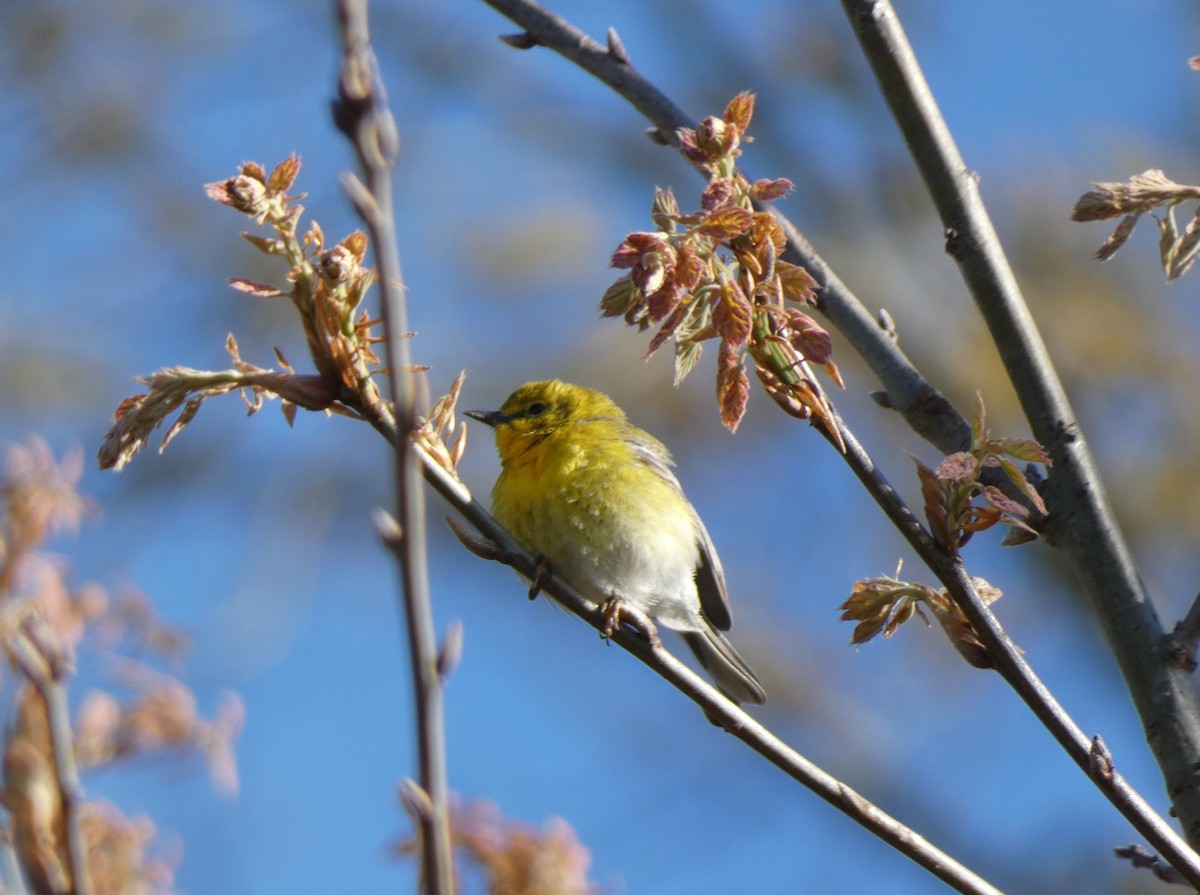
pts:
[501, 546]
[361, 112]
[1080, 522]
[1089, 754]
[36, 649]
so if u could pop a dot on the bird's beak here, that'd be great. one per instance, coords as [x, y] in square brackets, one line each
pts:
[489, 417]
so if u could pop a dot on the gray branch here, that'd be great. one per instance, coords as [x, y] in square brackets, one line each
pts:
[1080, 522]
[361, 112]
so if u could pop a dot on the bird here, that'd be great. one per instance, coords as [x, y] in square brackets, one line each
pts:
[594, 497]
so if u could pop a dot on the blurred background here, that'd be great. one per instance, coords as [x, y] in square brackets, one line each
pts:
[519, 175]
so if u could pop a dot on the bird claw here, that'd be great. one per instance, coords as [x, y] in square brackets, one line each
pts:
[539, 573]
[616, 610]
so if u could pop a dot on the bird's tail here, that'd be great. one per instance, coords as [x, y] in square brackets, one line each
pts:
[728, 670]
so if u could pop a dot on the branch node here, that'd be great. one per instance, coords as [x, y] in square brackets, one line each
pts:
[416, 801]
[387, 528]
[1100, 762]
[1184, 639]
[883, 399]
[954, 243]
[451, 652]
[521, 41]
[616, 49]
[887, 323]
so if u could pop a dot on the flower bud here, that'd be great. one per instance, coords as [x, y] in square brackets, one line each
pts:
[246, 194]
[338, 264]
[715, 138]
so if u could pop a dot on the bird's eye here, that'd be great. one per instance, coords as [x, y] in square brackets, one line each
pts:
[535, 408]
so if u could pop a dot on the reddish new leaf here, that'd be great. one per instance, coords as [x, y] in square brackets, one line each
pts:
[934, 495]
[731, 315]
[726, 223]
[1003, 503]
[958, 469]
[663, 302]
[716, 194]
[255, 171]
[766, 190]
[689, 267]
[740, 110]
[630, 251]
[797, 283]
[809, 338]
[668, 328]
[1017, 477]
[733, 387]
[284, 175]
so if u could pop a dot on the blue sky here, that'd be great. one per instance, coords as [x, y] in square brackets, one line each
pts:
[518, 177]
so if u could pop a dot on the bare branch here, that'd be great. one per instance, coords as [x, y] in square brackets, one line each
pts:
[361, 112]
[717, 707]
[1090, 755]
[1081, 522]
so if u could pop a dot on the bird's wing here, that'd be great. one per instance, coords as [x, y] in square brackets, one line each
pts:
[710, 580]
[710, 576]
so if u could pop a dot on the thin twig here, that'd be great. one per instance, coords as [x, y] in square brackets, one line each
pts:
[41, 658]
[1143, 860]
[716, 706]
[361, 112]
[1080, 522]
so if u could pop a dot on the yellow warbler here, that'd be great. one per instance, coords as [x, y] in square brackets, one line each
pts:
[594, 495]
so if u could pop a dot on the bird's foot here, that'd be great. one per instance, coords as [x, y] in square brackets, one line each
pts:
[616, 610]
[539, 573]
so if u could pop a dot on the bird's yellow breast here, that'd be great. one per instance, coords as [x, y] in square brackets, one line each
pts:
[602, 517]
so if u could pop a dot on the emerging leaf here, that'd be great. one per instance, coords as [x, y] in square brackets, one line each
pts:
[686, 355]
[619, 297]
[262, 290]
[798, 284]
[731, 315]
[733, 387]
[726, 222]
[284, 175]
[958, 469]
[739, 111]
[934, 494]
[767, 190]
[1118, 237]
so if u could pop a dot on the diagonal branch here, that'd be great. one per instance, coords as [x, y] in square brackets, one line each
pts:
[361, 112]
[1089, 754]
[498, 544]
[1081, 522]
